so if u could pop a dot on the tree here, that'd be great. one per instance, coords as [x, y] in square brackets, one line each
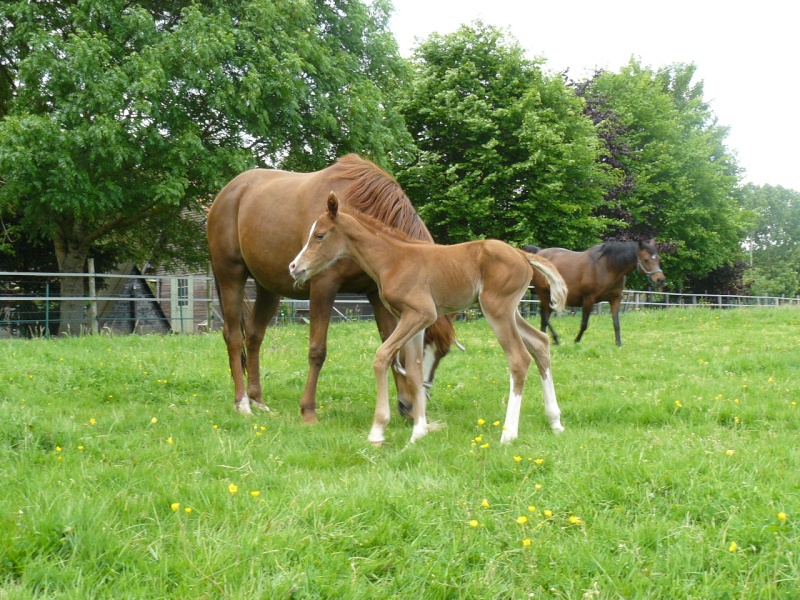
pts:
[683, 179]
[773, 241]
[504, 150]
[123, 119]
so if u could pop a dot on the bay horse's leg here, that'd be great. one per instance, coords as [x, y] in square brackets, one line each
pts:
[322, 297]
[411, 325]
[500, 313]
[230, 283]
[586, 311]
[265, 307]
[546, 310]
[538, 345]
[614, 304]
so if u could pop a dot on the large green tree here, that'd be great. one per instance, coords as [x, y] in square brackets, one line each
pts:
[683, 179]
[773, 241]
[505, 150]
[120, 119]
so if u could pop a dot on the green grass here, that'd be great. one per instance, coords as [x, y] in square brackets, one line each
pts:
[678, 445]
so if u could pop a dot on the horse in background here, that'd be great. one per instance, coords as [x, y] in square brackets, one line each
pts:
[420, 283]
[259, 222]
[596, 275]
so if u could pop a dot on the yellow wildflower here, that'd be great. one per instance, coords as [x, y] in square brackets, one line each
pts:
[175, 506]
[781, 516]
[255, 493]
[733, 547]
[485, 503]
[522, 520]
[232, 488]
[473, 523]
[526, 542]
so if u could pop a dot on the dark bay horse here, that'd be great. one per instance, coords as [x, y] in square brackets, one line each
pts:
[597, 275]
[420, 283]
[259, 222]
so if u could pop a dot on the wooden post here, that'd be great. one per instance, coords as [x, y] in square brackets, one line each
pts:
[92, 297]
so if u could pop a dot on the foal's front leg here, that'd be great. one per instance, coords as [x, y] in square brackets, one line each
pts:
[410, 333]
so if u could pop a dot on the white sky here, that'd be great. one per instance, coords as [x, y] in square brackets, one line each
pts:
[747, 55]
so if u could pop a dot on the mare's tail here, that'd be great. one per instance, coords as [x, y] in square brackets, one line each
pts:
[222, 309]
[558, 288]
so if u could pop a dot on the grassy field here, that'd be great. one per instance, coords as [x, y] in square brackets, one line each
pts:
[125, 473]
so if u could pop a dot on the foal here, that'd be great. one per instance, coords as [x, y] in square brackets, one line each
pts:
[419, 282]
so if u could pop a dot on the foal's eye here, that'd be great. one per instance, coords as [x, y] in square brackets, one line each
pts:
[320, 237]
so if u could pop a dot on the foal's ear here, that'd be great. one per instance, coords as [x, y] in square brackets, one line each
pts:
[333, 205]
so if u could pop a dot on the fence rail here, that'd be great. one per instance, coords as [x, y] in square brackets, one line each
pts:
[187, 303]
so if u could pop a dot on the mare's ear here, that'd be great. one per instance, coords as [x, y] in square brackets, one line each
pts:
[333, 205]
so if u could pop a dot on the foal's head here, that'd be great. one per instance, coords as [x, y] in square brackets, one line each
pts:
[324, 247]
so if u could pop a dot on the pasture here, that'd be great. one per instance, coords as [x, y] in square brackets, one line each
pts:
[126, 472]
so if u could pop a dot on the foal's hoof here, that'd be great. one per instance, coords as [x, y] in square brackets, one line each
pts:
[242, 406]
[260, 406]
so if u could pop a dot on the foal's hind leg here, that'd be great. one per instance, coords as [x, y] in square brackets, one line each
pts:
[504, 327]
[538, 344]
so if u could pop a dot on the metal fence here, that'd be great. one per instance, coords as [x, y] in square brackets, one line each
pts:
[187, 303]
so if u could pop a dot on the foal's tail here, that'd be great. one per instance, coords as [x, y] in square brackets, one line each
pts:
[558, 288]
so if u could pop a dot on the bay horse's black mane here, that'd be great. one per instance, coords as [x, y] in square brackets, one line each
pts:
[620, 254]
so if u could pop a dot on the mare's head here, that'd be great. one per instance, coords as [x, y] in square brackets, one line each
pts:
[325, 245]
[649, 263]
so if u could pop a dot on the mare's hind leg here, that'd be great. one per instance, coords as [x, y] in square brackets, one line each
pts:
[538, 345]
[265, 307]
[230, 282]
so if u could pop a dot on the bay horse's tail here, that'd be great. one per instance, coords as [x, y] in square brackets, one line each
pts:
[558, 288]
[222, 310]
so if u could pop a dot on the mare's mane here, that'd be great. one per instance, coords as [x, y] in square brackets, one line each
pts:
[375, 193]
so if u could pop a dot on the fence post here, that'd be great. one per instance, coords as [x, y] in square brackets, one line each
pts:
[92, 297]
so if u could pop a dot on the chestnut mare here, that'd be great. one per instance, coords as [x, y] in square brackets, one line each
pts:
[259, 222]
[420, 282]
[597, 275]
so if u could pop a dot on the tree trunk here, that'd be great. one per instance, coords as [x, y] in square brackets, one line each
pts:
[71, 253]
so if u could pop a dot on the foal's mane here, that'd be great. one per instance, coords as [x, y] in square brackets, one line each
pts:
[375, 193]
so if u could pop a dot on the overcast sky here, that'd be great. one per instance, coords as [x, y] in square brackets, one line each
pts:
[747, 55]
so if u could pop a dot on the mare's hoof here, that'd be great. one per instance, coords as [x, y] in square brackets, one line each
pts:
[309, 417]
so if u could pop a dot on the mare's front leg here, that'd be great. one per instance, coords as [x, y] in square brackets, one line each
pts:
[538, 344]
[264, 309]
[321, 299]
[410, 333]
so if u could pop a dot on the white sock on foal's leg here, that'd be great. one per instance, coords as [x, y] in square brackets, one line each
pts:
[551, 409]
[511, 426]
